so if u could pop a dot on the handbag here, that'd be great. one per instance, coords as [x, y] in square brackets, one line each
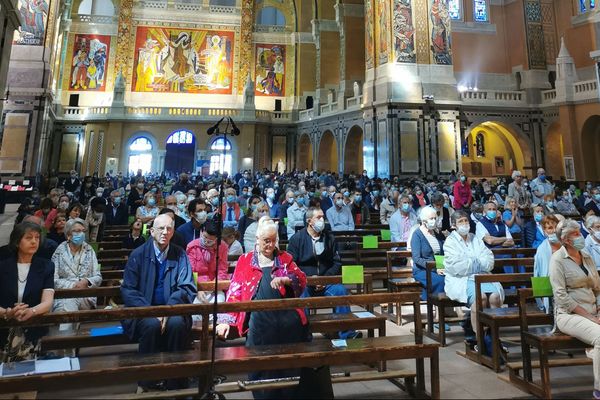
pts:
[315, 383]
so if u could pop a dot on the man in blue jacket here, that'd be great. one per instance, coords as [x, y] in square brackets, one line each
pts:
[159, 273]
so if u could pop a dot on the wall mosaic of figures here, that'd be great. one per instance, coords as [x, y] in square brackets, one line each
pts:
[89, 62]
[34, 15]
[175, 60]
[270, 70]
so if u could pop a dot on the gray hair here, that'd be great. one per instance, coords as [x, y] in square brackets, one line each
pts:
[566, 228]
[514, 174]
[591, 220]
[266, 225]
[311, 212]
[458, 214]
[403, 197]
[437, 198]
[181, 197]
[425, 211]
[71, 224]
[254, 213]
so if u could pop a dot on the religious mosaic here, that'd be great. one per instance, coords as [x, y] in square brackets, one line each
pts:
[34, 15]
[89, 62]
[404, 32]
[369, 34]
[270, 70]
[440, 32]
[183, 61]
[383, 37]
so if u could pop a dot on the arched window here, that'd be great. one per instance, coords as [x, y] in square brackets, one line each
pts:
[218, 162]
[480, 145]
[455, 9]
[181, 137]
[140, 155]
[480, 11]
[96, 7]
[270, 16]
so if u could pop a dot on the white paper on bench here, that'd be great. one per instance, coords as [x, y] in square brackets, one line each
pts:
[57, 365]
[363, 314]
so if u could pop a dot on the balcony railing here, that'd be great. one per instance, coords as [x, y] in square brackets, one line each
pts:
[329, 108]
[307, 115]
[493, 97]
[94, 19]
[354, 102]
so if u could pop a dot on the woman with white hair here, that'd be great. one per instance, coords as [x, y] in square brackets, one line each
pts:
[261, 210]
[426, 242]
[76, 267]
[576, 287]
[265, 273]
[592, 241]
[182, 202]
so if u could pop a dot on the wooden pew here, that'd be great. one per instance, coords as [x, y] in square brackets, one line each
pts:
[545, 340]
[441, 301]
[117, 369]
[399, 279]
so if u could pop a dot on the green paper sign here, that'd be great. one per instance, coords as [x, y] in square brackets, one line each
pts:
[99, 265]
[386, 235]
[352, 274]
[285, 221]
[131, 219]
[439, 262]
[94, 247]
[196, 278]
[370, 242]
[541, 286]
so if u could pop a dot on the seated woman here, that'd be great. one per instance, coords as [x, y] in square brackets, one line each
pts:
[592, 241]
[512, 215]
[135, 238]
[230, 236]
[261, 210]
[466, 256]
[426, 242]
[74, 211]
[76, 268]
[576, 287]
[148, 210]
[57, 231]
[533, 233]
[26, 290]
[543, 253]
[265, 274]
[202, 254]
[47, 212]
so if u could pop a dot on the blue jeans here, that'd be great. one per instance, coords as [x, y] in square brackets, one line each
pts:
[332, 290]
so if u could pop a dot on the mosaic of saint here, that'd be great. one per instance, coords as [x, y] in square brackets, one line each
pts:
[34, 14]
[369, 34]
[383, 37]
[440, 32]
[404, 32]
[183, 61]
[270, 70]
[89, 62]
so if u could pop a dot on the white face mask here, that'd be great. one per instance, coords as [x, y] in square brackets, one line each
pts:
[463, 229]
[430, 223]
[201, 216]
[319, 225]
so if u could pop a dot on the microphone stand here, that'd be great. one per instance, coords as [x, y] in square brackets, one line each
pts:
[206, 389]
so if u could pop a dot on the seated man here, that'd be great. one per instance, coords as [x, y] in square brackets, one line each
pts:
[315, 252]
[340, 216]
[198, 211]
[533, 233]
[494, 232]
[402, 220]
[159, 273]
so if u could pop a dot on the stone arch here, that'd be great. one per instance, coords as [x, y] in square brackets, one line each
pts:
[155, 163]
[328, 153]
[507, 149]
[353, 151]
[554, 148]
[591, 148]
[305, 153]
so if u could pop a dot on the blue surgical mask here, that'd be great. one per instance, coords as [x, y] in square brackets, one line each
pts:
[117, 201]
[550, 204]
[215, 201]
[542, 178]
[375, 193]
[357, 199]
[579, 243]
[597, 197]
[491, 215]
[77, 238]
[230, 199]
[538, 217]
[405, 207]
[152, 202]
[300, 201]
[463, 178]
[346, 194]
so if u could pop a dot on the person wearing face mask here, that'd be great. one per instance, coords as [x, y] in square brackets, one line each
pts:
[198, 210]
[403, 220]
[462, 193]
[246, 219]
[76, 267]
[426, 242]
[72, 183]
[592, 206]
[543, 253]
[388, 206]
[327, 198]
[116, 212]
[135, 238]
[245, 182]
[576, 288]
[202, 254]
[94, 219]
[316, 253]
[443, 214]
[419, 199]
[46, 212]
[181, 212]
[261, 210]
[295, 214]
[290, 200]
[88, 190]
[149, 210]
[63, 203]
[231, 209]
[467, 256]
[565, 205]
[272, 203]
[494, 233]
[339, 216]
[136, 196]
[171, 204]
[533, 232]
[541, 186]
[359, 209]
[243, 197]
[512, 216]
[592, 241]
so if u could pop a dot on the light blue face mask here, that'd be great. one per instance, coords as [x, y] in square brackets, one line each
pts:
[538, 217]
[77, 238]
[491, 215]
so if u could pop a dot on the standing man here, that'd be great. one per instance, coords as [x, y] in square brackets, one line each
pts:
[316, 253]
[116, 212]
[540, 187]
[159, 273]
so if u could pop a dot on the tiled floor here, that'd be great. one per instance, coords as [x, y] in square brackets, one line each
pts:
[459, 377]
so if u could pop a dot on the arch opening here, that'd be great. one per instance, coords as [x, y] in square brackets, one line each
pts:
[353, 151]
[181, 147]
[554, 151]
[328, 154]
[140, 155]
[305, 153]
[591, 148]
[218, 161]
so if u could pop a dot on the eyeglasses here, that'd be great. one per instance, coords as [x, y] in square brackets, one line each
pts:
[162, 228]
[268, 241]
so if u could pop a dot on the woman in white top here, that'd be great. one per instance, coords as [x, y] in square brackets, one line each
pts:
[592, 241]
[466, 256]
[76, 267]
[261, 210]
[543, 253]
[148, 211]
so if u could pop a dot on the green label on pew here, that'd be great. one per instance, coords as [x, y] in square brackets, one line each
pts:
[145, 231]
[370, 242]
[131, 219]
[95, 247]
[99, 265]
[285, 221]
[386, 235]
[541, 286]
[352, 274]
[439, 262]
[196, 278]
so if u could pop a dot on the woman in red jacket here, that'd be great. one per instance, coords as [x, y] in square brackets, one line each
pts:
[462, 193]
[265, 274]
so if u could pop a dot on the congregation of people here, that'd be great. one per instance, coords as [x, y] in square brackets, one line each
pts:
[178, 230]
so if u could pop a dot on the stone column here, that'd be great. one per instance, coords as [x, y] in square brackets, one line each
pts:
[246, 44]
[125, 39]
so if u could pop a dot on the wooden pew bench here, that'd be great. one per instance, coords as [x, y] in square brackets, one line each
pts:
[100, 370]
[399, 279]
[546, 341]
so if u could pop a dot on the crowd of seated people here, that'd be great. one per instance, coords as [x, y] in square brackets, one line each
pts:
[458, 217]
